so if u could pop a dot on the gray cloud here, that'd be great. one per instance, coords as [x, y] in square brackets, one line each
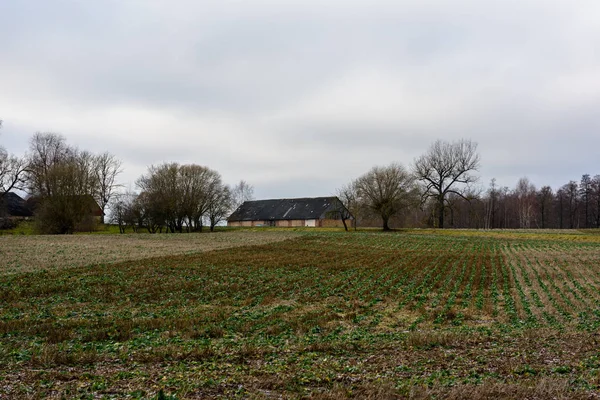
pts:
[300, 97]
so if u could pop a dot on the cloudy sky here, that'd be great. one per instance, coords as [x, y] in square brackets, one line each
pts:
[299, 97]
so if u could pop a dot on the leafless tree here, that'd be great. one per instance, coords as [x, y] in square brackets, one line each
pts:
[69, 208]
[118, 214]
[12, 171]
[123, 212]
[106, 169]
[241, 192]
[350, 205]
[162, 198]
[570, 192]
[87, 165]
[525, 195]
[181, 196]
[63, 180]
[447, 168]
[544, 198]
[219, 206]
[46, 150]
[490, 205]
[586, 194]
[386, 190]
[204, 189]
[596, 200]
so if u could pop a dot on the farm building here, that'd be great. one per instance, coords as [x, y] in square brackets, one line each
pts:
[314, 212]
[90, 205]
[14, 206]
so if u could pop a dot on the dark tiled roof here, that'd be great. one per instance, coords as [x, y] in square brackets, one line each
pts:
[14, 205]
[286, 209]
[34, 202]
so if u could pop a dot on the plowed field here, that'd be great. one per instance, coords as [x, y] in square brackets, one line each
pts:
[415, 314]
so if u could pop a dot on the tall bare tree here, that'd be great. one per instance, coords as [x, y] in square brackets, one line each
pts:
[46, 150]
[386, 191]
[596, 200]
[350, 204]
[571, 195]
[447, 168]
[12, 171]
[586, 193]
[106, 169]
[544, 198]
[490, 205]
[525, 194]
[241, 192]
[220, 206]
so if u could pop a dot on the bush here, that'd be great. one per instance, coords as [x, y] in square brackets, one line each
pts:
[8, 223]
[64, 215]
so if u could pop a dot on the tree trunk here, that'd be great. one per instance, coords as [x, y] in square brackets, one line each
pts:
[386, 227]
[441, 213]
[345, 226]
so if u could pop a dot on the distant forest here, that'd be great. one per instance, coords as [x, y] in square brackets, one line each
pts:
[575, 205]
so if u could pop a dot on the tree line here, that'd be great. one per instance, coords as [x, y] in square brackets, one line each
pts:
[65, 184]
[439, 191]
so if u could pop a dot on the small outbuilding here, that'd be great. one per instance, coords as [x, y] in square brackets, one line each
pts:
[14, 206]
[307, 211]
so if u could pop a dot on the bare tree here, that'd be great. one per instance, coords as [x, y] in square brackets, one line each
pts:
[350, 203]
[12, 171]
[70, 206]
[444, 168]
[63, 180]
[586, 193]
[544, 197]
[177, 196]
[596, 197]
[106, 169]
[118, 214]
[525, 194]
[162, 199]
[46, 150]
[386, 190]
[570, 192]
[219, 206]
[241, 192]
[123, 212]
[490, 205]
[205, 187]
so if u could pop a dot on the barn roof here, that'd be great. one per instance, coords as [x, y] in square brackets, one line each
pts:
[285, 209]
[14, 205]
[33, 202]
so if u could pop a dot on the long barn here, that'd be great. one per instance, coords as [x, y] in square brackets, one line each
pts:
[313, 212]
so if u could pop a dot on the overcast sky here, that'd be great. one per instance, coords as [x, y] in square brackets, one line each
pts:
[299, 97]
